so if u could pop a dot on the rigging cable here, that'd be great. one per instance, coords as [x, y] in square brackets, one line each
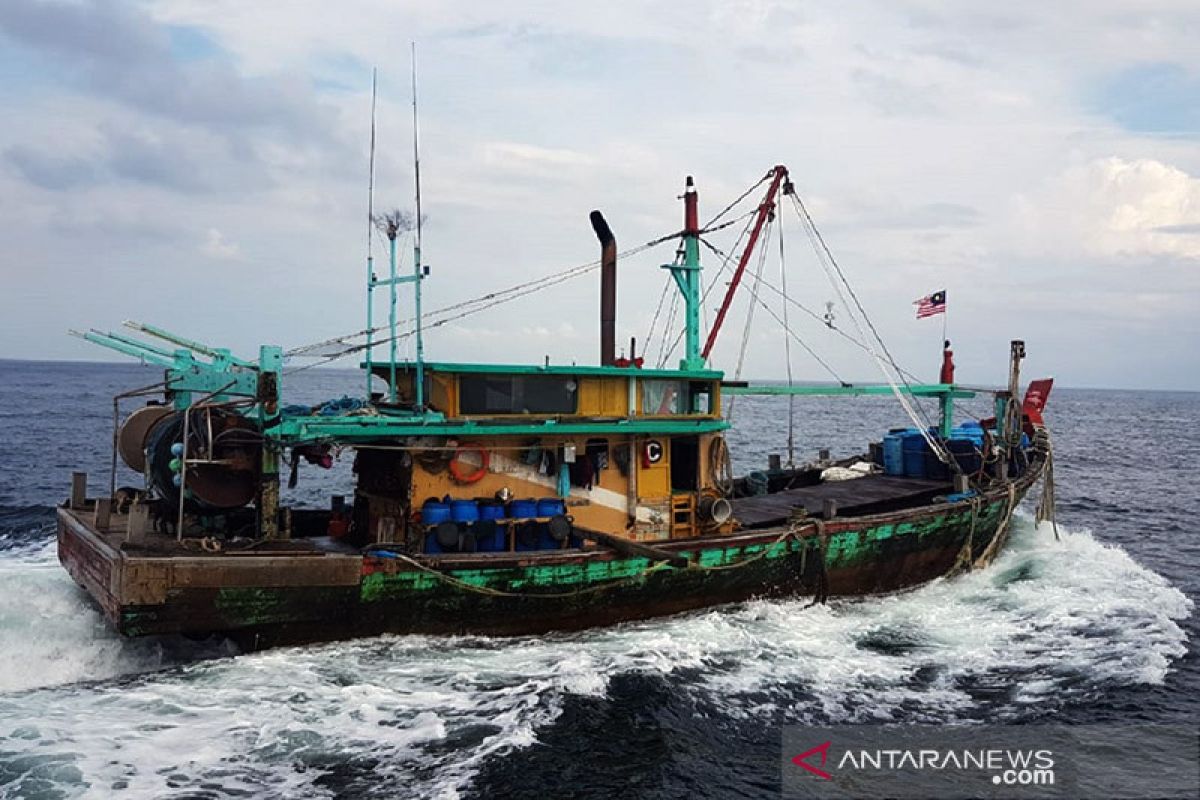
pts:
[737, 375]
[787, 355]
[465, 308]
[816, 238]
[657, 311]
[789, 300]
[720, 272]
[744, 195]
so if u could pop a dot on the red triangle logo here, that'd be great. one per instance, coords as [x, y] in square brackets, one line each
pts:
[802, 760]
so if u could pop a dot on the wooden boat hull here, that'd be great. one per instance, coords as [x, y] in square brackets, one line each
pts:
[272, 599]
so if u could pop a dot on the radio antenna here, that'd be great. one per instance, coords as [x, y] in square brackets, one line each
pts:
[418, 268]
[370, 226]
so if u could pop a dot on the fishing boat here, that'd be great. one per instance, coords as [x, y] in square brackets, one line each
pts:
[519, 499]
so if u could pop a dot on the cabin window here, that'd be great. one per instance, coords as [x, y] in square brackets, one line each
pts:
[662, 397]
[517, 394]
[669, 397]
[700, 397]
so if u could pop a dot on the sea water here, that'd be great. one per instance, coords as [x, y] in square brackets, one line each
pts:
[1096, 625]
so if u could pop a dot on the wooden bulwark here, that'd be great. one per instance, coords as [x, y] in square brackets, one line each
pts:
[118, 579]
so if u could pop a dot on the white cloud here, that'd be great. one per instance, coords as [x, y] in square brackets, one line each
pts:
[1113, 207]
[218, 247]
[938, 146]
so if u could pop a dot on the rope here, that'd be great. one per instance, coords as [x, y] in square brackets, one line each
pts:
[990, 551]
[489, 591]
[1046, 504]
[761, 554]
[720, 466]
[963, 561]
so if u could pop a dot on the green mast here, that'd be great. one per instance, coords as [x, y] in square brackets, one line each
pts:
[687, 278]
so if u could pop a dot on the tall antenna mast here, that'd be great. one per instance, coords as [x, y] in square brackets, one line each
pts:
[418, 270]
[370, 226]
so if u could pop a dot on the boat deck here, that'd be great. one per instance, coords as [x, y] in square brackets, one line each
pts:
[866, 495]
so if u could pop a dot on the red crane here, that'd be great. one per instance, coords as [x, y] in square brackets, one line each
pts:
[765, 209]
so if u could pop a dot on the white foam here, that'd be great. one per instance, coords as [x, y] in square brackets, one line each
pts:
[1048, 621]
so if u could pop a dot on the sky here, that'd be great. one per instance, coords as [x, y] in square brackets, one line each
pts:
[202, 165]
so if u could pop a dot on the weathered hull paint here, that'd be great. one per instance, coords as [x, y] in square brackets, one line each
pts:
[531, 593]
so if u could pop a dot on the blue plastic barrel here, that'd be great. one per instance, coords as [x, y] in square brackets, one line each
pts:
[489, 537]
[491, 510]
[550, 507]
[914, 446]
[432, 513]
[935, 468]
[893, 454]
[464, 511]
[522, 509]
[966, 451]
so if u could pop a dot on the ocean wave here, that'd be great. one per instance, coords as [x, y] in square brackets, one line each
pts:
[87, 712]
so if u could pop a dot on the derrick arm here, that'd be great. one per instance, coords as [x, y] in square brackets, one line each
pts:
[765, 209]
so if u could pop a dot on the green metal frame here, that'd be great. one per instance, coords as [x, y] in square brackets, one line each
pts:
[528, 369]
[916, 390]
[946, 394]
[370, 428]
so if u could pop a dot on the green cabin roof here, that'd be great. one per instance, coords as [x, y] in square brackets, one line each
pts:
[555, 369]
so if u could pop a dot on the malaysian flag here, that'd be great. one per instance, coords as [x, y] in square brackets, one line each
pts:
[931, 304]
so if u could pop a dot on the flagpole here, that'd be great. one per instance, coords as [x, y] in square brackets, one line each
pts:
[945, 316]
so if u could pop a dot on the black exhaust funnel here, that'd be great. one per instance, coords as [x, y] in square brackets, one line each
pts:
[608, 289]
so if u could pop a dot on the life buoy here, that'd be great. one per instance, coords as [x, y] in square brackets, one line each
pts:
[458, 466]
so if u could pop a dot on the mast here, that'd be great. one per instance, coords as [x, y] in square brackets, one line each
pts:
[687, 278]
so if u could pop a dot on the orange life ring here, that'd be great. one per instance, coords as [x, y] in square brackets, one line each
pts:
[456, 465]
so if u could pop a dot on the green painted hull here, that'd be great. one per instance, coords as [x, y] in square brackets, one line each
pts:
[530, 593]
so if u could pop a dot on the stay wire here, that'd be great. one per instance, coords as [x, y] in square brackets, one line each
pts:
[742, 197]
[789, 300]
[727, 258]
[827, 259]
[466, 308]
[754, 300]
[787, 353]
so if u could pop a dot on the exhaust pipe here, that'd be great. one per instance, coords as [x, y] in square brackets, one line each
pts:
[608, 289]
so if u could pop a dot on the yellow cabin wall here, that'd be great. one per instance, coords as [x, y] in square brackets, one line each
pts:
[443, 394]
[603, 397]
[602, 510]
